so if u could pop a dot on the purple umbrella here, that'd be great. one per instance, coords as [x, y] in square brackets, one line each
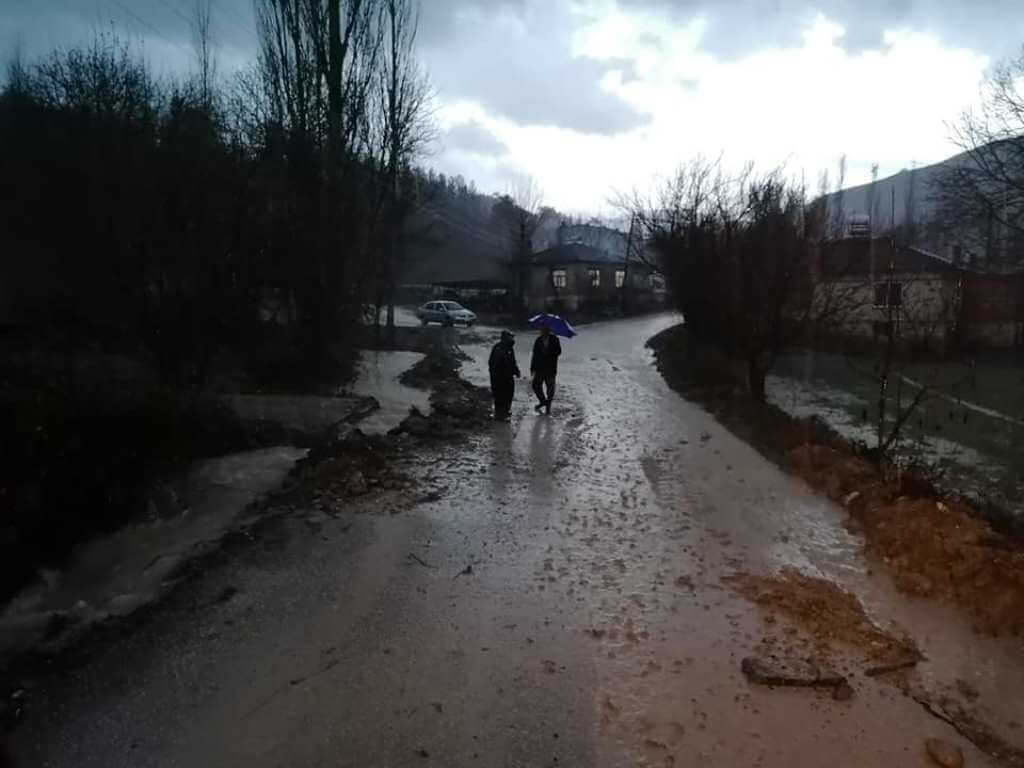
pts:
[554, 323]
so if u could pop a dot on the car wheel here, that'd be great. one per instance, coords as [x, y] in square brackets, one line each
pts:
[424, 321]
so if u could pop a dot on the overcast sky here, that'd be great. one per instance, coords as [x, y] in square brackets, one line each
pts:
[591, 96]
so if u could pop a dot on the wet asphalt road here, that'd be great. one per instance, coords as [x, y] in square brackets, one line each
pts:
[560, 604]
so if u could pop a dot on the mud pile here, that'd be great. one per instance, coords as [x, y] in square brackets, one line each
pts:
[940, 548]
[433, 370]
[829, 613]
[351, 466]
[457, 406]
[934, 548]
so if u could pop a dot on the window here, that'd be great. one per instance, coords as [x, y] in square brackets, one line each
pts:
[620, 278]
[888, 294]
[595, 278]
[558, 278]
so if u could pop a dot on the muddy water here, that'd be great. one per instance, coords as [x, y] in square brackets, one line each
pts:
[116, 573]
[658, 503]
[378, 377]
[558, 600]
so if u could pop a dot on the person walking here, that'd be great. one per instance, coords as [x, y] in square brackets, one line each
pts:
[544, 368]
[504, 370]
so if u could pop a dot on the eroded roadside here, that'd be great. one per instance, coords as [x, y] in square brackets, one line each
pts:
[938, 551]
[342, 474]
[569, 591]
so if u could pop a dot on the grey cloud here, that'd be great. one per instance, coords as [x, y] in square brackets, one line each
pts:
[438, 18]
[473, 137]
[38, 26]
[736, 27]
[530, 79]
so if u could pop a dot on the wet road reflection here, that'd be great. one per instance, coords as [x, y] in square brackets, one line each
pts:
[562, 600]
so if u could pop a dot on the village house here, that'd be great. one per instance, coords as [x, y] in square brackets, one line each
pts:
[992, 308]
[586, 270]
[862, 287]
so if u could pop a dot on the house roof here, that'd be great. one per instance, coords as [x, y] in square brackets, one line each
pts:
[852, 257]
[574, 253]
[478, 284]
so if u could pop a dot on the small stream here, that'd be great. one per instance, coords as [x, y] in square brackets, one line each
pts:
[378, 377]
[114, 574]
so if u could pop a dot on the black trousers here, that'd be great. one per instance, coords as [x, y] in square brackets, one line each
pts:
[544, 381]
[502, 390]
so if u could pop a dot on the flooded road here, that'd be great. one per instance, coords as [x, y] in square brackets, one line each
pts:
[378, 377]
[562, 599]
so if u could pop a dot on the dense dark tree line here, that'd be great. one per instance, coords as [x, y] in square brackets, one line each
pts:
[178, 219]
[174, 229]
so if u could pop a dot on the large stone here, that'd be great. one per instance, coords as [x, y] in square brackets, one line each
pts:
[945, 754]
[788, 671]
[356, 485]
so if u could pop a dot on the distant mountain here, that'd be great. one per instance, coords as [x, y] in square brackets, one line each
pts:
[910, 205]
[913, 186]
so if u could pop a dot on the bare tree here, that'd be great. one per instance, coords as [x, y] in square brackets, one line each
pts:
[914, 320]
[981, 192]
[732, 246]
[407, 128]
[288, 64]
[830, 298]
[205, 49]
[526, 198]
[319, 63]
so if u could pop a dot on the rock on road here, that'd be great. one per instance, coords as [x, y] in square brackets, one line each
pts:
[558, 603]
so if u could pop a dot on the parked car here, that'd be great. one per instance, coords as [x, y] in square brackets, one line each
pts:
[445, 313]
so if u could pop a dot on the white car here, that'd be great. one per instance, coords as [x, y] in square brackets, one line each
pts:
[445, 313]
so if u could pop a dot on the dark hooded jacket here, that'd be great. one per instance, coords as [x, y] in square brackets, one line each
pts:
[502, 363]
[545, 355]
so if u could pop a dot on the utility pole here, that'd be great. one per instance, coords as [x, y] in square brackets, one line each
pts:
[625, 269]
[892, 216]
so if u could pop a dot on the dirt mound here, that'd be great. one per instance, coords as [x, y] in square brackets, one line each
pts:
[351, 466]
[456, 409]
[833, 471]
[432, 370]
[457, 406]
[938, 549]
[827, 612]
[934, 548]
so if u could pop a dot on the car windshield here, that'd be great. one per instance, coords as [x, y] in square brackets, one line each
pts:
[452, 306]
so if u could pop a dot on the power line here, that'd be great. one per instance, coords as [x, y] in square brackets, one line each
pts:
[177, 12]
[246, 32]
[239, 22]
[149, 26]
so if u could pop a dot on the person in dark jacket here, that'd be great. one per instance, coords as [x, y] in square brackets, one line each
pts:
[504, 370]
[544, 368]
